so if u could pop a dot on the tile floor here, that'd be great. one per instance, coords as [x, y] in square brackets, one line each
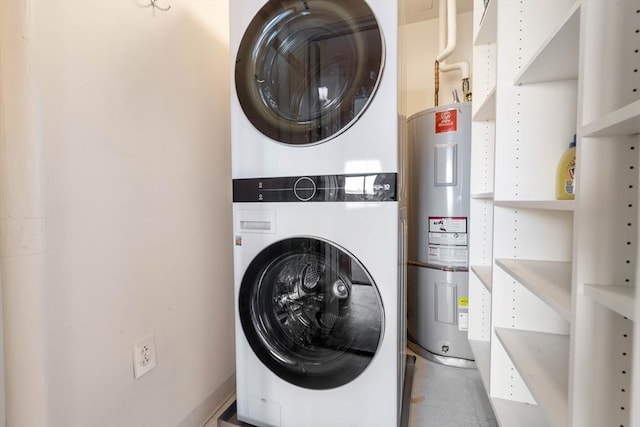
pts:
[442, 396]
[445, 396]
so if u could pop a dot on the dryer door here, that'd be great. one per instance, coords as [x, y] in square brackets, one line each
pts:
[311, 313]
[306, 69]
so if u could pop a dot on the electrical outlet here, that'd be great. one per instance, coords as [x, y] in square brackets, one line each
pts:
[144, 355]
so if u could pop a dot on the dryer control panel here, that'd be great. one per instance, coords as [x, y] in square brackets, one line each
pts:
[371, 187]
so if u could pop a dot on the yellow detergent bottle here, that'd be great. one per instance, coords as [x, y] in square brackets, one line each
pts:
[565, 177]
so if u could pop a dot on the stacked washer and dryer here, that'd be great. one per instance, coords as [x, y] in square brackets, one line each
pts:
[319, 224]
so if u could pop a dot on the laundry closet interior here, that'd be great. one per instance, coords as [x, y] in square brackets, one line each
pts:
[319, 213]
[501, 269]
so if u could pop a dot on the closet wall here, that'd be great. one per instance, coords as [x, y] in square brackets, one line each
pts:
[422, 50]
[116, 116]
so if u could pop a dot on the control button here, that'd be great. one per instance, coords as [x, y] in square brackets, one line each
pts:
[304, 189]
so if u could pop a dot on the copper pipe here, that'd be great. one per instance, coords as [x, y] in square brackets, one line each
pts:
[465, 90]
[436, 79]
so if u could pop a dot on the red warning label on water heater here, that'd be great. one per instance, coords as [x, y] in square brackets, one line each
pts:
[447, 121]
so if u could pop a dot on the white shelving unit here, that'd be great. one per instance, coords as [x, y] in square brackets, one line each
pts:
[484, 274]
[482, 352]
[487, 110]
[543, 361]
[553, 297]
[553, 285]
[620, 122]
[620, 299]
[516, 414]
[488, 195]
[557, 57]
[482, 178]
[548, 280]
[606, 239]
[487, 17]
[552, 205]
[528, 252]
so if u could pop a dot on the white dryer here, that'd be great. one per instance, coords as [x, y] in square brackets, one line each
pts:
[315, 87]
[320, 336]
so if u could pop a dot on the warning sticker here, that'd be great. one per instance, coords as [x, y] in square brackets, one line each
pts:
[441, 224]
[456, 239]
[448, 256]
[448, 240]
[463, 321]
[447, 121]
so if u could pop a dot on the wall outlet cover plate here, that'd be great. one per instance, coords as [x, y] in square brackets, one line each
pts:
[144, 355]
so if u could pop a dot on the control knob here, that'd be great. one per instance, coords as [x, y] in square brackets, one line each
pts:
[304, 189]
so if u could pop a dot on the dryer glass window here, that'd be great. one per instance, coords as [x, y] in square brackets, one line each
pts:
[311, 313]
[306, 69]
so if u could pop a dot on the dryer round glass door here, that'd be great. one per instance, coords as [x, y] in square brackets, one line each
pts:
[306, 69]
[311, 313]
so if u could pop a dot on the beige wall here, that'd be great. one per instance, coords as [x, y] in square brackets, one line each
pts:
[422, 50]
[132, 115]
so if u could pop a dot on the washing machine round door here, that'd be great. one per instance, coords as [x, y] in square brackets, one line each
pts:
[306, 69]
[311, 313]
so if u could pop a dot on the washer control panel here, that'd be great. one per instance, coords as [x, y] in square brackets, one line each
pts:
[305, 188]
[371, 187]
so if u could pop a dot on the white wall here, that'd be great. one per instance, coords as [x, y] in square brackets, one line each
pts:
[134, 125]
[22, 220]
[422, 50]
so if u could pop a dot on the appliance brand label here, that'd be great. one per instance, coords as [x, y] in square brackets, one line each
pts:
[447, 121]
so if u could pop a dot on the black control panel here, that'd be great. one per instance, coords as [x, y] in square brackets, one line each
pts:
[373, 187]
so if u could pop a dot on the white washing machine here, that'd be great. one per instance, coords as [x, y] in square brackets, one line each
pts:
[319, 288]
[315, 87]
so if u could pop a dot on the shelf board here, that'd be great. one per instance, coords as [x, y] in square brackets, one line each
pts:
[542, 360]
[554, 205]
[620, 299]
[484, 274]
[557, 58]
[483, 196]
[487, 109]
[548, 280]
[488, 31]
[517, 414]
[623, 121]
[482, 353]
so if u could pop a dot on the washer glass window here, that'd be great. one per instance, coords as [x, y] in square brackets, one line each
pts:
[306, 69]
[311, 313]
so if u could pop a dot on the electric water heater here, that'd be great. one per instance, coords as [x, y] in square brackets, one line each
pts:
[438, 258]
